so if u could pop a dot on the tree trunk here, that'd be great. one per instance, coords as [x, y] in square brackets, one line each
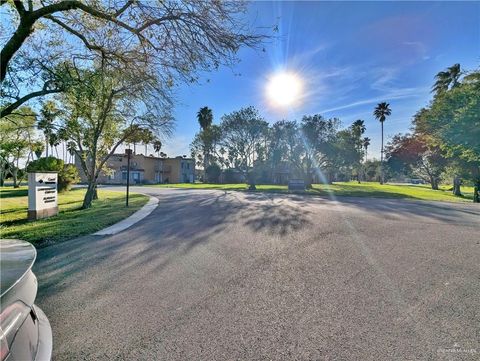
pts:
[456, 186]
[205, 166]
[308, 176]
[382, 178]
[250, 181]
[329, 177]
[14, 175]
[95, 192]
[434, 183]
[308, 182]
[89, 196]
[476, 185]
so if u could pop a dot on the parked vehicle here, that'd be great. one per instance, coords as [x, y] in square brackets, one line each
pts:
[25, 332]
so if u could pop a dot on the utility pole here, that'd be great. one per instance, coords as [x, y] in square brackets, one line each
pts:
[129, 153]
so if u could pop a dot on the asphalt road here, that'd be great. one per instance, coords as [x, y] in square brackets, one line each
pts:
[214, 275]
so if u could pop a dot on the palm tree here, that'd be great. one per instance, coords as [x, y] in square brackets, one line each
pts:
[71, 147]
[381, 112]
[63, 138]
[157, 145]
[48, 115]
[54, 142]
[359, 126]
[366, 143]
[447, 78]
[205, 117]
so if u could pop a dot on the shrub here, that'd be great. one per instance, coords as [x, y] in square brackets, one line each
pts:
[67, 173]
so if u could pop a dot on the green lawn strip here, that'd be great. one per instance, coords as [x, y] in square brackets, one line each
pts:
[348, 189]
[71, 221]
[371, 189]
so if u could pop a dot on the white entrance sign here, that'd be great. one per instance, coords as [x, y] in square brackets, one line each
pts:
[42, 195]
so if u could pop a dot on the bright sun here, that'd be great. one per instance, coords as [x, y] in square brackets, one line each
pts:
[284, 89]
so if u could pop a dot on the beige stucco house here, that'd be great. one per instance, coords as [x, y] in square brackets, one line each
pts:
[145, 170]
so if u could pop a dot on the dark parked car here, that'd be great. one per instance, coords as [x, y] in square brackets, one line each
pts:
[25, 332]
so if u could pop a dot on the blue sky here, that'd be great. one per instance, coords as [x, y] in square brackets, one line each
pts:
[350, 55]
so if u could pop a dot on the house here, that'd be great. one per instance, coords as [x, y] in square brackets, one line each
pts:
[144, 170]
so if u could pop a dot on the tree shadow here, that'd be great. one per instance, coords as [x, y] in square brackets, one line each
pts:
[11, 193]
[183, 221]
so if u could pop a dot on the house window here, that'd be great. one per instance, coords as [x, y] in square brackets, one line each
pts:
[136, 176]
[112, 175]
[124, 175]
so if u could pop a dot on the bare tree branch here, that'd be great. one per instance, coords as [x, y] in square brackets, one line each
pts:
[76, 33]
[12, 106]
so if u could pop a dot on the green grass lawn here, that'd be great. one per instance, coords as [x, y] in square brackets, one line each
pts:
[71, 220]
[372, 189]
[348, 189]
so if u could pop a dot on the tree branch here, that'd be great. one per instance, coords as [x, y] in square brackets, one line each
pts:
[28, 19]
[122, 9]
[76, 33]
[12, 106]
[74, 4]
[112, 151]
[20, 8]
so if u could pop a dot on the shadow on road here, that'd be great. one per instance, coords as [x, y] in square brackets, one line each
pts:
[197, 244]
[183, 221]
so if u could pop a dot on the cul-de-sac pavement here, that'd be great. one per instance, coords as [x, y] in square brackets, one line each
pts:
[217, 275]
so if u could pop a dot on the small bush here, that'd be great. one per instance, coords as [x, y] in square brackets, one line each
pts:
[67, 173]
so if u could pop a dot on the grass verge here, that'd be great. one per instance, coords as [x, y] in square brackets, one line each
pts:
[71, 221]
[348, 189]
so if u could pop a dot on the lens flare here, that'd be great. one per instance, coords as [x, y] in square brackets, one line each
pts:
[284, 89]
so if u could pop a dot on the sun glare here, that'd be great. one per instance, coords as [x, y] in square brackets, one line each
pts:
[284, 89]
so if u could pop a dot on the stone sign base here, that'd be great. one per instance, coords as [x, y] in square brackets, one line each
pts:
[42, 213]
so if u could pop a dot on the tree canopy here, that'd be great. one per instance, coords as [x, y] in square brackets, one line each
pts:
[173, 39]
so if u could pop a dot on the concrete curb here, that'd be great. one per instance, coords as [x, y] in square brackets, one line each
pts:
[130, 221]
